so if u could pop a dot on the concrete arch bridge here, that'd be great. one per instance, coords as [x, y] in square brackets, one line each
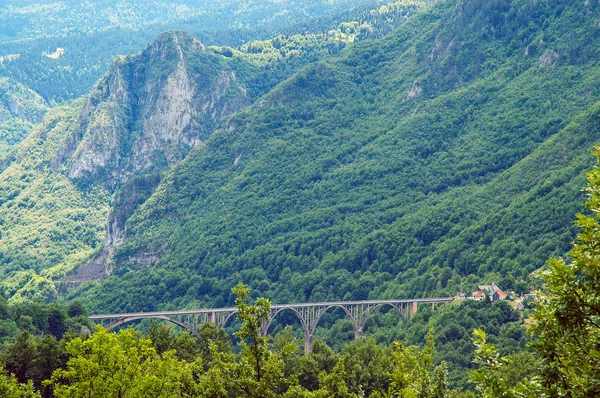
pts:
[309, 315]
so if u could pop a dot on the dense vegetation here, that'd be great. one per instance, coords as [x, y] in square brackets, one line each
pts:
[64, 223]
[163, 364]
[20, 109]
[34, 19]
[395, 170]
[54, 343]
[449, 153]
[403, 167]
[258, 66]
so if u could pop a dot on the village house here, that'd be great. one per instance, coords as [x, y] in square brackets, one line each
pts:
[478, 295]
[493, 292]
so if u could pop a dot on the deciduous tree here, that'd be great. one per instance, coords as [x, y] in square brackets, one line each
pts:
[567, 318]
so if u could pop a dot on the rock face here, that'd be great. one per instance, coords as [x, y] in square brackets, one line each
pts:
[143, 117]
[149, 111]
[548, 59]
[125, 201]
[415, 91]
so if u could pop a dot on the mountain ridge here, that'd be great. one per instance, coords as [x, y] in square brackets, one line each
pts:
[448, 153]
[362, 175]
[140, 119]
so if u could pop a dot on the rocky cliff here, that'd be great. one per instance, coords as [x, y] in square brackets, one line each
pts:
[108, 151]
[149, 111]
[143, 117]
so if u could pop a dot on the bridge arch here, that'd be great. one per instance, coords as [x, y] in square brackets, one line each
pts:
[343, 307]
[360, 319]
[309, 317]
[398, 308]
[222, 322]
[358, 313]
[163, 317]
[267, 324]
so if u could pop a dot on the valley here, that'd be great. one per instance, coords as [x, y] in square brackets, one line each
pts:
[251, 154]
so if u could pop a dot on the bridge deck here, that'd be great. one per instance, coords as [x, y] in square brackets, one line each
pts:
[273, 306]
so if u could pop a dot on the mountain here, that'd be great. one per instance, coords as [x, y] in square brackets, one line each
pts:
[451, 151]
[59, 51]
[141, 118]
[149, 111]
[453, 148]
[20, 109]
[22, 20]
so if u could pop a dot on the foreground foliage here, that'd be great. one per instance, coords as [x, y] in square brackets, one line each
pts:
[35, 339]
[121, 365]
[565, 328]
[128, 365]
[567, 323]
[11, 388]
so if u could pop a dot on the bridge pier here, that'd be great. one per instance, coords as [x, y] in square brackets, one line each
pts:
[264, 327]
[358, 334]
[308, 340]
[412, 310]
[221, 317]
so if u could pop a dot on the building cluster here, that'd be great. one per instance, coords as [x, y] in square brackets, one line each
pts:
[494, 293]
[491, 292]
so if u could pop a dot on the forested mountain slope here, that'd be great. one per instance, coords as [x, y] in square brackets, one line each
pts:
[20, 109]
[140, 119]
[23, 20]
[453, 147]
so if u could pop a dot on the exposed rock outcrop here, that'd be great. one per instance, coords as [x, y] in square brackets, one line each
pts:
[415, 91]
[142, 117]
[149, 111]
[548, 59]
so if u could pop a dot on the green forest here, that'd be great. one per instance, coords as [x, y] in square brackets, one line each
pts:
[559, 359]
[349, 188]
[53, 350]
[92, 36]
[185, 155]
